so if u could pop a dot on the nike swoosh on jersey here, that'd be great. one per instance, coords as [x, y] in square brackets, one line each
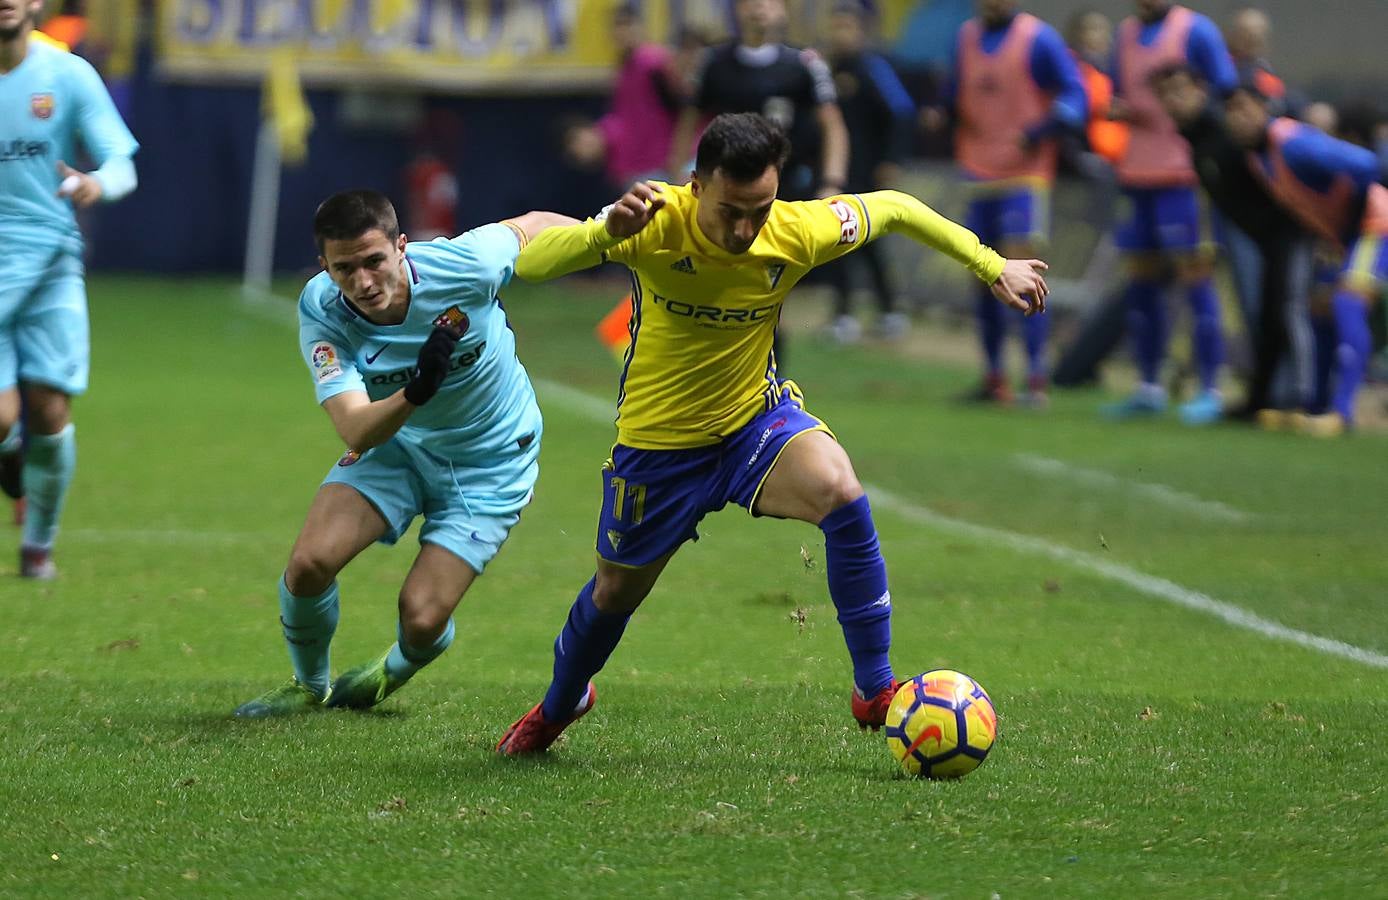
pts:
[372, 358]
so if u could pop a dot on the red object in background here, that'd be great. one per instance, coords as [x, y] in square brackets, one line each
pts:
[614, 331]
[69, 29]
[1107, 138]
[432, 209]
[1271, 86]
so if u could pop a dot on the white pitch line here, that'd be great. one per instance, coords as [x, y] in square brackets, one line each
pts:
[602, 412]
[1157, 493]
[1159, 588]
[1150, 585]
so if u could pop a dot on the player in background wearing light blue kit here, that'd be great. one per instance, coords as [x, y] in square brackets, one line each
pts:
[413, 360]
[49, 99]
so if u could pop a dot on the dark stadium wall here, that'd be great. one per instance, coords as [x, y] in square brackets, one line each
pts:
[197, 148]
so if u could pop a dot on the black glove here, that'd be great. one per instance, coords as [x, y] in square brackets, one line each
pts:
[432, 366]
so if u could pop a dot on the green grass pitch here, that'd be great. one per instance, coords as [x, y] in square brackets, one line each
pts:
[1146, 750]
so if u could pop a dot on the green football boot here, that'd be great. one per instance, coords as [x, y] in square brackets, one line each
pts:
[289, 699]
[364, 686]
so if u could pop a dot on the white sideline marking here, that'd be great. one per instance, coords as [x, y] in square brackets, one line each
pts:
[1150, 585]
[1158, 588]
[1157, 493]
[603, 412]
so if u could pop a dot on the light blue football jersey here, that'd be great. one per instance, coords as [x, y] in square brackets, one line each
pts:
[47, 103]
[486, 410]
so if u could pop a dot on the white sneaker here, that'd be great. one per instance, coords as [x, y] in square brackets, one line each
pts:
[846, 330]
[37, 563]
[893, 326]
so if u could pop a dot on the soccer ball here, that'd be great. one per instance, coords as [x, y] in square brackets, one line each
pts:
[941, 725]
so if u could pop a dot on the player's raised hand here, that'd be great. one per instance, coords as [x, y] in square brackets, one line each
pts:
[431, 368]
[82, 189]
[1022, 285]
[634, 209]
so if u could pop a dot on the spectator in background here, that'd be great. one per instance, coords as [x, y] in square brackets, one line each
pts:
[1166, 233]
[1333, 187]
[1249, 34]
[793, 88]
[923, 52]
[879, 116]
[1322, 115]
[1281, 249]
[1014, 90]
[632, 141]
[431, 185]
[432, 191]
[1090, 36]
[691, 44]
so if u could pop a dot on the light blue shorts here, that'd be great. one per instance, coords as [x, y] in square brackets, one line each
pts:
[467, 511]
[43, 321]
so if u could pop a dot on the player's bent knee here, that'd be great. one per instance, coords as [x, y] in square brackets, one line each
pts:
[46, 410]
[423, 619]
[309, 572]
[1355, 288]
[619, 593]
[1142, 266]
[1194, 269]
[843, 490]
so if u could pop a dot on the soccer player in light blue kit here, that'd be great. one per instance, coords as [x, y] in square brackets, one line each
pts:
[49, 99]
[413, 360]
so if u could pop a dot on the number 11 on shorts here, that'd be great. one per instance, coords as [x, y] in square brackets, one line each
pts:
[620, 492]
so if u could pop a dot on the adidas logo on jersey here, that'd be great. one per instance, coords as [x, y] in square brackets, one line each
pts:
[685, 265]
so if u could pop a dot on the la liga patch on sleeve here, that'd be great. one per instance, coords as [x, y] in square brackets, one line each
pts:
[324, 360]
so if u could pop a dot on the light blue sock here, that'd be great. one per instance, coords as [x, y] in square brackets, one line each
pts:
[48, 465]
[309, 624]
[404, 659]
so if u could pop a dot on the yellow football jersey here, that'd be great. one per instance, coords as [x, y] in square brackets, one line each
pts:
[700, 364]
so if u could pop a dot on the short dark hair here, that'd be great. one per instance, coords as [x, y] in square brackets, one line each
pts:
[351, 214]
[1172, 69]
[742, 145]
[1249, 87]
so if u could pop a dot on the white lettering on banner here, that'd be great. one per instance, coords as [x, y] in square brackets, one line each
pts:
[438, 42]
[510, 46]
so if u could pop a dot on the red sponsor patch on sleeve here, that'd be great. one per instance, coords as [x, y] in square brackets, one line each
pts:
[848, 221]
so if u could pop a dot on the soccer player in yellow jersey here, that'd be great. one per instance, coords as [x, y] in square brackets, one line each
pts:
[702, 418]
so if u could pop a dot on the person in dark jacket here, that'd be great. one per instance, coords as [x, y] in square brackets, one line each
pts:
[1283, 247]
[879, 116]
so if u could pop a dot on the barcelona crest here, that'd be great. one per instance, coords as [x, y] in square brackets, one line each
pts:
[454, 318]
[41, 105]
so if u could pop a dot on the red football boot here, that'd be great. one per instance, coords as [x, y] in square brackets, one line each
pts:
[532, 733]
[871, 712]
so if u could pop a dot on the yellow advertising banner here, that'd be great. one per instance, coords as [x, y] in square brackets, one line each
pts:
[444, 45]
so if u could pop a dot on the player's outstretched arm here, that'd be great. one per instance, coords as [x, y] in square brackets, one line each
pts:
[529, 226]
[560, 250]
[363, 423]
[1018, 283]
